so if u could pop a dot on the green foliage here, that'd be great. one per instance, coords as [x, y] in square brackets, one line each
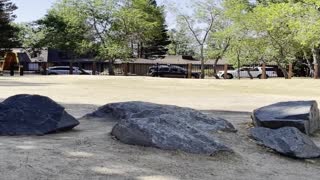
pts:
[8, 32]
[252, 32]
[220, 37]
[65, 28]
[143, 23]
[29, 35]
[94, 25]
[115, 50]
[180, 43]
[270, 31]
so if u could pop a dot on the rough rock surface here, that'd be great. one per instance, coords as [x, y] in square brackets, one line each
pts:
[136, 109]
[33, 115]
[303, 115]
[288, 141]
[166, 127]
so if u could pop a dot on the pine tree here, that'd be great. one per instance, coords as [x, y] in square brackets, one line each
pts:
[158, 45]
[8, 33]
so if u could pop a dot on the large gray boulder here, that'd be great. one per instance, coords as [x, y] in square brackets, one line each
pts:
[166, 127]
[288, 141]
[167, 132]
[33, 115]
[136, 109]
[303, 115]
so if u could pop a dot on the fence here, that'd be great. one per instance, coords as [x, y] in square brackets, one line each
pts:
[224, 71]
[262, 71]
[143, 69]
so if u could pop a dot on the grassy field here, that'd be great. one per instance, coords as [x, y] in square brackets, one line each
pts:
[89, 152]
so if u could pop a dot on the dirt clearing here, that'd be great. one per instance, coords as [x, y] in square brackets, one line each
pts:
[89, 152]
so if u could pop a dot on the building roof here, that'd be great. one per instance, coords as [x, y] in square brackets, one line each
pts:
[175, 60]
[24, 56]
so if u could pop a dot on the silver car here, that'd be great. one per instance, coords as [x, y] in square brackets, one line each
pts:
[64, 70]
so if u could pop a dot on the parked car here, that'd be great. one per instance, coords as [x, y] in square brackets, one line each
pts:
[256, 72]
[171, 71]
[60, 70]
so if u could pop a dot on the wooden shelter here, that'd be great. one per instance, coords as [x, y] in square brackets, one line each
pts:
[10, 61]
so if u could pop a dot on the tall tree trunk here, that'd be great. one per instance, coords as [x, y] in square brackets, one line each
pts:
[220, 57]
[309, 64]
[311, 68]
[284, 71]
[249, 73]
[316, 59]
[202, 62]
[132, 49]
[215, 68]
[175, 49]
[110, 68]
[141, 50]
[238, 59]
[138, 50]
[71, 66]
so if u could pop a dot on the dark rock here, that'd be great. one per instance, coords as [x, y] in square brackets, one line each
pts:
[33, 115]
[166, 132]
[136, 110]
[303, 115]
[288, 141]
[166, 127]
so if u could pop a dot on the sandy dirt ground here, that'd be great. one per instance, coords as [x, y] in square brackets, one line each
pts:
[89, 152]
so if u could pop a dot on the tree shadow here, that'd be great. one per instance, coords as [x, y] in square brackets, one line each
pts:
[23, 84]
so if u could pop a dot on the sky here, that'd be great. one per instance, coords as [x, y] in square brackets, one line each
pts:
[31, 10]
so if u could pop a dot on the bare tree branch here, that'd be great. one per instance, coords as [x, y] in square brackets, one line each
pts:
[209, 28]
[191, 29]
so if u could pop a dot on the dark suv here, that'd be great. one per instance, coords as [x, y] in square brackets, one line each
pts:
[171, 71]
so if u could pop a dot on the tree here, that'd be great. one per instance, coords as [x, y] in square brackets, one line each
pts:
[157, 46]
[306, 25]
[100, 15]
[8, 32]
[180, 42]
[219, 39]
[64, 28]
[111, 28]
[142, 22]
[200, 23]
[30, 37]
[269, 26]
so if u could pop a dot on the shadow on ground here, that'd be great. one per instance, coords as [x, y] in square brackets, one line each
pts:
[19, 84]
[90, 152]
